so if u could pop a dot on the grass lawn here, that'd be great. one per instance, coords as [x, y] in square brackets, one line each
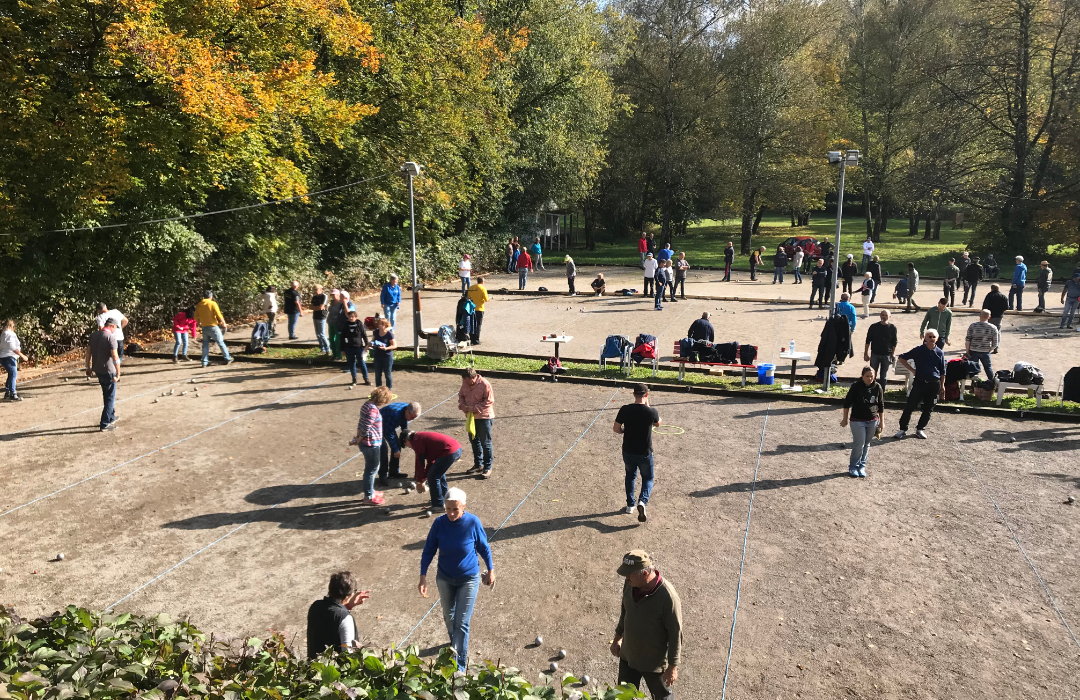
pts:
[705, 242]
[644, 374]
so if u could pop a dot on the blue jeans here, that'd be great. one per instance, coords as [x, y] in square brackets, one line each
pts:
[984, 358]
[778, 275]
[208, 333]
[320, 335]
[384, 362]
[107, 380]
[436, 479]
[658, 295]
[293, 317]
[523, 277]
[1068, 311]
[465, 282]
[481, 444]
[509, 264]
[371, 467]
[798, 275]
[862, 431]
[1016, 291]
[390, 314]
[11, 366]
[634, 464]
[352, 356]
[181, 341]
[458, 595]
[865, 259]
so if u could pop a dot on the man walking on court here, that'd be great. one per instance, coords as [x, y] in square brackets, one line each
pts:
[929, 385]
[880, 347]
[635, 422]
[729, 258]
[477, 397]
[1070, 297]
[973, 274]
[208, 314]
[952, 277]
[648, 638]
[571, 274]
[103, 361]
[912, 286]
[940, 319]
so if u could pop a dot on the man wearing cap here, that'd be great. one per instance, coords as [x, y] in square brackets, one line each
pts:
[1070, 297]
[571, 273]
[390, 298]
[465, 272]
[208, 314]
[1019, 280]
[635, 422]
[103, 360]
[650, 273]
[479, 295]
[648, 638]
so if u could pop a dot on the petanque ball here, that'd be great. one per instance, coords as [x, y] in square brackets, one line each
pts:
[1012, 439]
[1071, 499]
[553, 667]
[60, 556]
[562, 653]
[585, 680]
[538, 641]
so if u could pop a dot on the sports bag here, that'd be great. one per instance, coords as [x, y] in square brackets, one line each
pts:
[747, 354]
[726, 352]
[1025, 373]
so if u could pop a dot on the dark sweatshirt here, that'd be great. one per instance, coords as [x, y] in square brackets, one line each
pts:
[996, 303]
[651, 629]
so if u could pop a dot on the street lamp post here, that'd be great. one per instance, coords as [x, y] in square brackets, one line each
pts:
[844, 159]
[412, 170]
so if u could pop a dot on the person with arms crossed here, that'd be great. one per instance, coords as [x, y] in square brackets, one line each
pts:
[929, 385]
[650, 265]
[1019, 281]
[1046, 278]
[648, 637]
[571, 274]
[643, 248]
[635, 422]
[729, 259]
[819, 281]
[318, 315]
[952, 275]
[681, 266]
[330, 624]
[465, 272]
[796, 263]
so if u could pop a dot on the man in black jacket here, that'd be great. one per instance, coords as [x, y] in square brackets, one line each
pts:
[996, 303]
[818, 281]
[874, 268]
[780, 261]
[729, 258]
[848, 271]
[701, 329]
[329, 623]
[972, 275]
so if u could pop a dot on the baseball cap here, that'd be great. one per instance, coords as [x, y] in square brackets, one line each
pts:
[648, 255]
[335, 291]
[634, 561]
[566, 259]
[466, 256]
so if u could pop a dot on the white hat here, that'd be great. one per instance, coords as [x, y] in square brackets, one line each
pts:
[1020, 258]
[850, 256]
[454, 494]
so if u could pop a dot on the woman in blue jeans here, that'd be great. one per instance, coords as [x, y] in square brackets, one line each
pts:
[865, 405]
[382, 352]
[369, 438]
[458, 537]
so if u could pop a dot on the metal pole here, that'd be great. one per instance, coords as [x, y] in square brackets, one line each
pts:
[836, 262]
[415, 290]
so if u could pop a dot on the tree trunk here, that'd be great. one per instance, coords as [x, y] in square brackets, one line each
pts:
[757, 219]
[866, 207]
[913, 223]
[793, 224]
[937, 223]
[749, 206]
[929, 224]
[590, 228]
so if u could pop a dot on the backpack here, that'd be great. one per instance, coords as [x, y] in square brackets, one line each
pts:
[369, 322]
[952, 391]
[1025, 373]
[1071, 389]
[1003, 375]
[260, 335]
[553, 366]
[747, 354]
[726, 352]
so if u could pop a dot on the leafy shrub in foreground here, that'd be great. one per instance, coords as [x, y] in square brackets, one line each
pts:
[82, 654]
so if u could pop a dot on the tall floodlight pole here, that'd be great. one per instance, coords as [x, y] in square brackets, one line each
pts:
[850, 158]
[411, 170]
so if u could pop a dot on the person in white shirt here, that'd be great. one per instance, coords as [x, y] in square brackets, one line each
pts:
[867, 252]
[103, 313]
[650, 273]
[796, 260]
[465, 271]
[10, 354]
[269, 307]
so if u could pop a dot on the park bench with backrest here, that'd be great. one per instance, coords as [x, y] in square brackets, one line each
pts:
[683, 361]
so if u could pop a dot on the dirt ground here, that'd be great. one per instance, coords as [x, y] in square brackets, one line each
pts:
[233, 508]
[516, 323]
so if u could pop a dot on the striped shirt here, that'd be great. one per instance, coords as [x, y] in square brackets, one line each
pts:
[370, 426]
[982, 336]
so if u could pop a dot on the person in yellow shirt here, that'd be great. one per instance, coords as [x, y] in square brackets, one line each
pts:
[208, 314]
[478, 295]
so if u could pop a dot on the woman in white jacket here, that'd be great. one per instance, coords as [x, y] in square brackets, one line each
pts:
[269, 307]
[10, 354]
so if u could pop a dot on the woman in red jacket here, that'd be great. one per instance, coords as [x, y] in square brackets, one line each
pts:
[183, 327]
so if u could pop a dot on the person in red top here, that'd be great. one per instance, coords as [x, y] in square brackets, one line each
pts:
[183, 328]
[524, 264]
[643, 248]
[435, 454]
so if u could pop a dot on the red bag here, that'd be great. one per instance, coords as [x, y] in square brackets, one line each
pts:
[952, 391]
[369, 323]
[645, 351]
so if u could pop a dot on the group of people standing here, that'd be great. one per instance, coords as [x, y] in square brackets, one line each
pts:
[522, 259]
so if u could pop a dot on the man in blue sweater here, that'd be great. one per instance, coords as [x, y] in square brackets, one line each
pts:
[1018, 281]
[845, 309]
[458, 537]
[391, 300]
[395, 417]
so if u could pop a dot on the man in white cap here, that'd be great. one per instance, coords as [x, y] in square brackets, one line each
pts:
[650, 273]
[1019, 279]
[648, 638]
[571, 273]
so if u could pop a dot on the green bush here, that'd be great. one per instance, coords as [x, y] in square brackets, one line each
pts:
[82, 654]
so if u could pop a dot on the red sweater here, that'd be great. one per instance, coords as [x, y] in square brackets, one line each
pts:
[642, 245]
[430, 447]
[182, 324]
[524, 261]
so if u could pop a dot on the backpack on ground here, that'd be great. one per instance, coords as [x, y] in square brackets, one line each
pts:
[553, 366]
[260, 336]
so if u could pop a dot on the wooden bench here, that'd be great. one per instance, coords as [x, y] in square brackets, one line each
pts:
[683, 361]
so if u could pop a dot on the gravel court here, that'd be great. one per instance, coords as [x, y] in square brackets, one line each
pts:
[85, 453]
[916, 587]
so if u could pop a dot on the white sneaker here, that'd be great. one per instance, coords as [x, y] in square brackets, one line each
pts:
[900, 434]
[921, 434]
[629, 510]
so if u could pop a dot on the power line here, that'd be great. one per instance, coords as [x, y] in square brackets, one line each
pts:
[184, 217]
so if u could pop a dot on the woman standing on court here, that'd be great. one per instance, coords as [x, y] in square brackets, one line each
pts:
[10, 354]
[369, 437]
[382, 352]
[184, 327]
[457, 537]
[865, 405]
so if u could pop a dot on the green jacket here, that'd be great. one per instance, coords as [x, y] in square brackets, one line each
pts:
[941, 321]
[912, 281]
[651, 629]
[952, 272]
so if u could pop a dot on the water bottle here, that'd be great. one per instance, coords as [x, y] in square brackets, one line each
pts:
[791, 347]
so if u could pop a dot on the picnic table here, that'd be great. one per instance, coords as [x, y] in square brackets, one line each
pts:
[557, 339]
[795, 358]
